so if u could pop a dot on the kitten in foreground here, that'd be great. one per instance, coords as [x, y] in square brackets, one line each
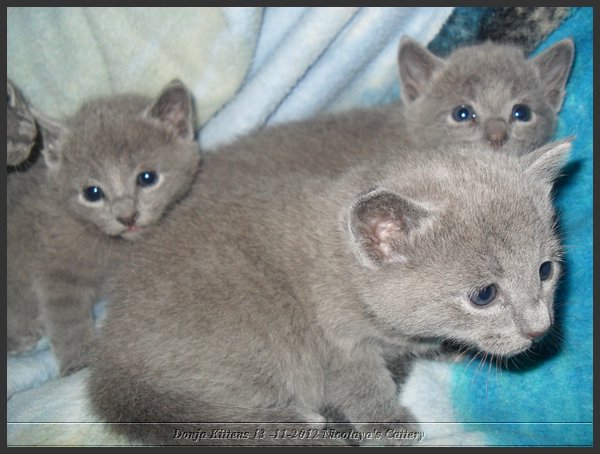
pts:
[109, 174]
[487, 94]
[281, 302]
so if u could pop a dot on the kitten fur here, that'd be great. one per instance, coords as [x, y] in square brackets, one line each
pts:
[21, 129]
[61, 245]
[489, 78]
[282, 299]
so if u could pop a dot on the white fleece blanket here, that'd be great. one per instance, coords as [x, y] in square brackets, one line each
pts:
[62, 56]
[246, 67]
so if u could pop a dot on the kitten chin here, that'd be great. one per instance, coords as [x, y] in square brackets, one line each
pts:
[109, 173]
[133, 233]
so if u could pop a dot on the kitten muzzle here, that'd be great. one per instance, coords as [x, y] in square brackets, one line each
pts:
[129, 220]
[496, 133]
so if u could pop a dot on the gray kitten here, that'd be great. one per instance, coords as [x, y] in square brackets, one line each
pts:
[110, 174]
[484, 93]
[282, 300]
[487, 94]
[21, 129]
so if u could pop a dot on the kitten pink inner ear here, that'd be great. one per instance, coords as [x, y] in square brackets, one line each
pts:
[174, 108]
[381, 224]
[382, 233]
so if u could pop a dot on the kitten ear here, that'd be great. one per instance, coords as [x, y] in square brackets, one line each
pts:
[13, 96]
[52, 132]
[380, 224]
[173, 107]
[546, 162]
[417, 65]
[554, 65]
[15, 101]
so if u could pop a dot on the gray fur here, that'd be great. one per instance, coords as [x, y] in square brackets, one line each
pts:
[492, 78]
[282, 298]
[21, 130]
[62, 246]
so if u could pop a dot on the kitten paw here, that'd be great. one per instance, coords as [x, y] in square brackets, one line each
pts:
[22, 343]
[71, 366]
[72, 360]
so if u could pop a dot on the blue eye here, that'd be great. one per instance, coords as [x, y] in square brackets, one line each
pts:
[521, 112]
[463, 113]
[93, 193]
[146, 179]
[484, 296]
[545, 270]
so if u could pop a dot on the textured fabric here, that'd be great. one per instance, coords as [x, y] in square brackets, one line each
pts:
[311, 60]
[62, 56]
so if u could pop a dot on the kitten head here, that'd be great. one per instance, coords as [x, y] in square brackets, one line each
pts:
[484, 94]
[21, 130]
[121, 162]
[462, 249]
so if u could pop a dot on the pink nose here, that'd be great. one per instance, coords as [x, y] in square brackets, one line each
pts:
[496, 133]
[533, 335]
[128, 220]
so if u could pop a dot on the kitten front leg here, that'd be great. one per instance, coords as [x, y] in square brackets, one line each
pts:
[23, 325]
[67, 311]
[365, 392]
[399, 362]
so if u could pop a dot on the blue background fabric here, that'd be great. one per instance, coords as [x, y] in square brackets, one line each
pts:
[308, 60]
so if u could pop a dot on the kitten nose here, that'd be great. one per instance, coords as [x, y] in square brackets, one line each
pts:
[535, 335]
[496, 133]
[128, 220]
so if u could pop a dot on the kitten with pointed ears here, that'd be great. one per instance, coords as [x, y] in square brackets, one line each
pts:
[110, 174]
[487, 94]
[282, 300]
[484, 93]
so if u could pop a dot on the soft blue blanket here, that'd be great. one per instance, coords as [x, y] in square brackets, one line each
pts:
[304, 61]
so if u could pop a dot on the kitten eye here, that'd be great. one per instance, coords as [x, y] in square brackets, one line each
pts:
[93, 193]
[484, 296]
[146, 179]
[545, 270]
[521, 112]
[463, 113]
